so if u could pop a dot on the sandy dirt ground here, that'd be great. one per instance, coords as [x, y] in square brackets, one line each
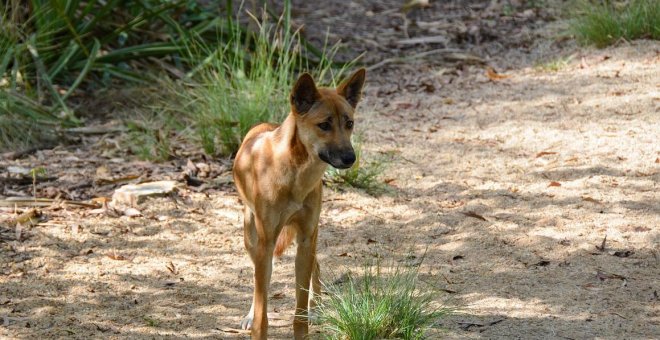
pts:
[509, 184]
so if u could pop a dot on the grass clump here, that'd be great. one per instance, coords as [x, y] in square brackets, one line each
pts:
[603, 23]
[383, 303]
[247, 81]
[238, 87]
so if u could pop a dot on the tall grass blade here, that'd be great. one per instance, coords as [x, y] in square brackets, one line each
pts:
[6, 58]
[83, 73]
[64, 59]
[44, 76]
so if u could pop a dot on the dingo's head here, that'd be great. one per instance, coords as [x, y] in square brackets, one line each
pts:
[324, 117]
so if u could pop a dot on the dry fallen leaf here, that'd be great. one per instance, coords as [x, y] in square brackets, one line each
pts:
[234, 330]
[101, 200]
[30, 217]
[591, 286]
[474, 214]
[404, 105]
[554, 184]
[492, 75]
[542, 263]
[117, 257]
[170, 266]
[583, 63]
[191, 168]
[623, 253]
[601, 275]
[543, 153]
[466, 325]
[590, 199]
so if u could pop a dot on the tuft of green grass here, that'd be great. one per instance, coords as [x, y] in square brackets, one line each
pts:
[383, 303]
[151, 322]
[362, 175]
[238, 87]
[605, 22]
[555, 65]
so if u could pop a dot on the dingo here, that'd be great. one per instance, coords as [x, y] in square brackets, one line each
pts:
[278, 172]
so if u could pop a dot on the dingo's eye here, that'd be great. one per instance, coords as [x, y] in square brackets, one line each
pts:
[349, 124]
[325, 126]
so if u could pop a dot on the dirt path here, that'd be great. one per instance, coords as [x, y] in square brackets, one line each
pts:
[509, 185]
[550, 164]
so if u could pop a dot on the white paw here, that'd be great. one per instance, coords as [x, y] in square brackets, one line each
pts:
[246, 323]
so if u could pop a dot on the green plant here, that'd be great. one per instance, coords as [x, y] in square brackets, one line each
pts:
[239, 87]
[50, 48]
[606, 22]
[151, 322]
[23, 121]
[36, 172]
[246, 81]
[555, 65]
[362, 175]
[383, 303]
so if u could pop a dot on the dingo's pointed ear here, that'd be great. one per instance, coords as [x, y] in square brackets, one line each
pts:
[351, 89]
[304, 94]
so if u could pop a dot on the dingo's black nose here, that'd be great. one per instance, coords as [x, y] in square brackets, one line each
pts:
[348, 158]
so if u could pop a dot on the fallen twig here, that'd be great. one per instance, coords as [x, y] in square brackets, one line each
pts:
[435, 39]
[413, 57]
[41, 202]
